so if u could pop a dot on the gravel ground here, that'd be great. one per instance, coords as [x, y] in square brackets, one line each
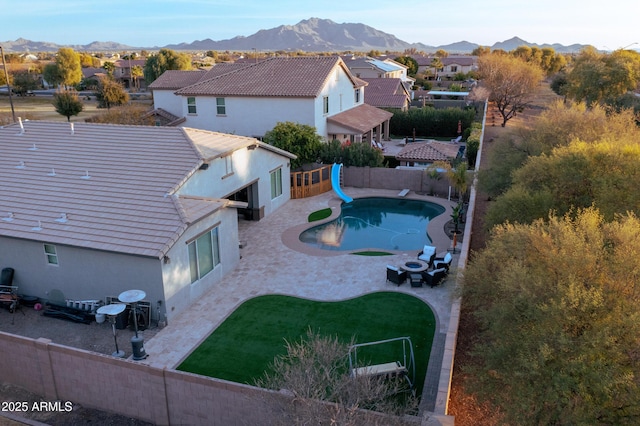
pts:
[95, 337]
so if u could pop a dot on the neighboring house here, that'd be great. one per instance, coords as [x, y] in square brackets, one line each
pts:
[252, 98]
[365, 67]
[423, 154]
[387, 93]
[452, 65]
[122, 73]
[92, 210]
[91, 77]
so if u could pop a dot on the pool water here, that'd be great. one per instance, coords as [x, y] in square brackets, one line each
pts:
[376, 223]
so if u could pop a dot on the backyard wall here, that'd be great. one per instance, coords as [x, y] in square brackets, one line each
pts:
[158, 396]
[384, 178]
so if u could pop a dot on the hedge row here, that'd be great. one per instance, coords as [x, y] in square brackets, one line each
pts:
[430, 122]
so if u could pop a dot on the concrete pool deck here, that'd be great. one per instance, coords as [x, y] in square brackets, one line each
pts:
[274, 261]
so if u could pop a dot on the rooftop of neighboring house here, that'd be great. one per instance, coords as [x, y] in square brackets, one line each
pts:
[105, 187]
[299, 76]
[385, 93]
[428, 152]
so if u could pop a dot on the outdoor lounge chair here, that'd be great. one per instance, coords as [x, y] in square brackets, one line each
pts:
[427, 254]
[395, 275]
[434, 277]
[443, 262]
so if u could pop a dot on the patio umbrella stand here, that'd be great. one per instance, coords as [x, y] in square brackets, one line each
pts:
[137, 342]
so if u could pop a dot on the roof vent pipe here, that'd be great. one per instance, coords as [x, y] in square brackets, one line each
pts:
[72, 130]
[21, 125]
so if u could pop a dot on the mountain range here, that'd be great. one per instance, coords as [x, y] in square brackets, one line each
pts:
[310, 35]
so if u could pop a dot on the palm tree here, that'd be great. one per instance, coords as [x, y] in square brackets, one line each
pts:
[437, 65]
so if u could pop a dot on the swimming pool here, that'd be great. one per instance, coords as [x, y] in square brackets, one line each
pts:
[376, 223]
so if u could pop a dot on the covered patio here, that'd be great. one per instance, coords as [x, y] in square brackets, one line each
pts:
[363, 123]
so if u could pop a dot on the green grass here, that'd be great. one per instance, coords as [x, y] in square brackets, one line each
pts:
[319, 215]
[245, 344]
[372, 253]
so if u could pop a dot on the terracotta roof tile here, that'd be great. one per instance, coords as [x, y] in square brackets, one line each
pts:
[385, 93]
[428, 151]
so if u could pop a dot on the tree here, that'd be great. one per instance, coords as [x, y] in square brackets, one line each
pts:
[603, 174]
[67, 103]
[110, 67]
[598, 78]
[165, 59]
[481, 50]
[51, 74]
[110, 93]
[24, 81]
[511, 82]
[299, 139]
[437, 65]
[316, 388]
[441, 53]
[69, 67]
[136, 72]
[410, 63]
[556, 305]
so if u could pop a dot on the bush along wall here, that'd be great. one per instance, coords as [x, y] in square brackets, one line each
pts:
[430, 122]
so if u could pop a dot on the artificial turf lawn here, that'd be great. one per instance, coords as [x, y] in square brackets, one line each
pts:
[319, 215]
[245, 344]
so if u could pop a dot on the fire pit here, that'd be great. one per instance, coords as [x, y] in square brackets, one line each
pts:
[415, 266]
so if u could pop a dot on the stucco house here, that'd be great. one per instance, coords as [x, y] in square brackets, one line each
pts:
[92, 210]
[452, 65]
[251, 98]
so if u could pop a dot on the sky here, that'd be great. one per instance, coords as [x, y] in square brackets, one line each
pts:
[607, 25]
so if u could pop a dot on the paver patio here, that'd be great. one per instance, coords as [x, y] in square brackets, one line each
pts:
[275, 262]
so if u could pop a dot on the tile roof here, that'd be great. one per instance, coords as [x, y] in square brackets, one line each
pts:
[174, 79]
[385, 93]
[113, 183]
[299, 76]
[361, 118]
[428, 151]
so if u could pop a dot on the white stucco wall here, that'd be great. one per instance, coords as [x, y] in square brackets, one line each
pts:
[254, 116]
[166, 100]
[247, 116]
[248, 166]
[179, 292]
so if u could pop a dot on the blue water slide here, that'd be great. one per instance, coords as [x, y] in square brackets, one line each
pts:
[335, 183]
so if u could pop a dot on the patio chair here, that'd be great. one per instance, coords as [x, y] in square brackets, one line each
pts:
[6, 277]
[434, 277]
[395, 275]
[427, 254]
[443, 262]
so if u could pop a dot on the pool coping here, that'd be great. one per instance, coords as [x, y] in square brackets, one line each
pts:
[435, 228]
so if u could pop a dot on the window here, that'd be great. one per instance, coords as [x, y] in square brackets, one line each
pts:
[276, 183]
[191, 105]
[221, 109]
[204, 254]
[454, 68]
[357, 96]
[51, 254]
[228, 164]
[325, 105]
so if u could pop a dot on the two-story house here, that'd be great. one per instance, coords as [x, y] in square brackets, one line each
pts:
[123, 74]
[251, 99]
[91, 210]
[451, 65]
